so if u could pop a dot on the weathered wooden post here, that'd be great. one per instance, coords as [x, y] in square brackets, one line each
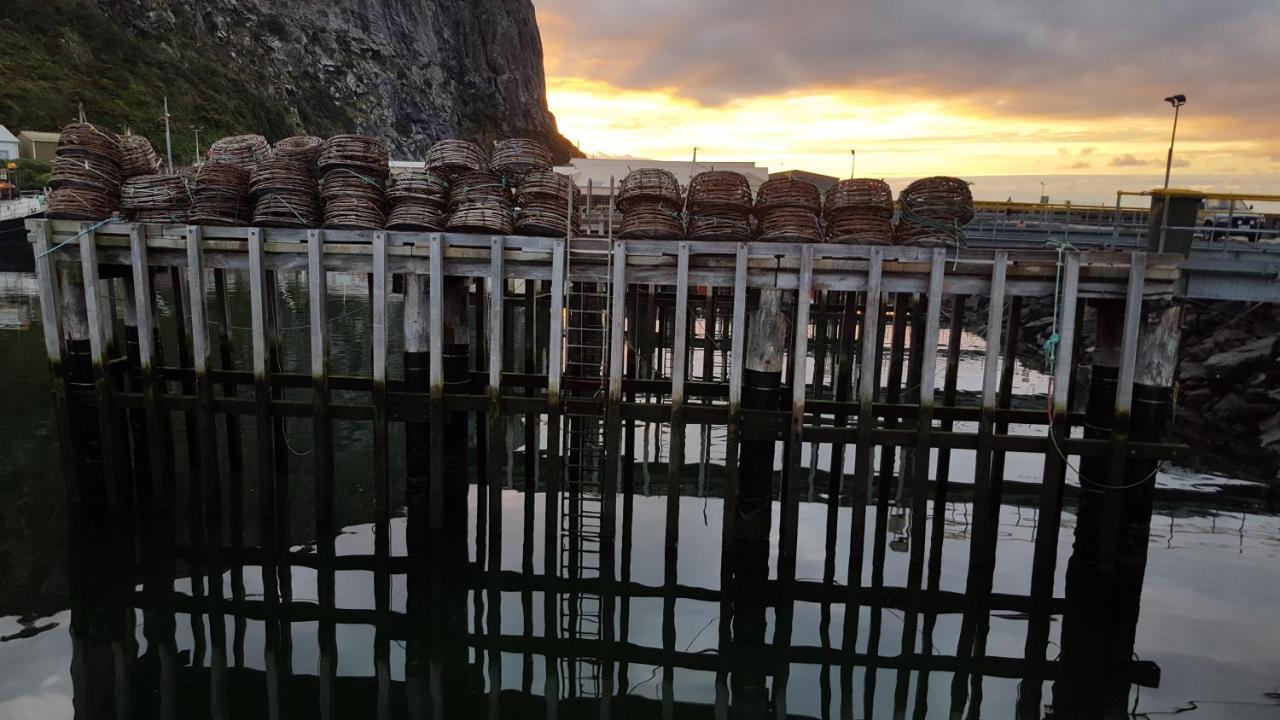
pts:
[766, 344]
[1130, 399]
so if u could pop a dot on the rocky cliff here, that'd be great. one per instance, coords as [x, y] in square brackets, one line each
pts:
[407, 71]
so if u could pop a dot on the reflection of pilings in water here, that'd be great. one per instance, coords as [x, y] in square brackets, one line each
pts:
[986, 495]
[1044, 560]
[436, 665]
[888, 457]
[103, 648]
[761, 390]
[1130, 398]
[846, 342]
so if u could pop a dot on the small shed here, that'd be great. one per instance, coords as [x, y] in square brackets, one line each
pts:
[8, 145]
[34, 145]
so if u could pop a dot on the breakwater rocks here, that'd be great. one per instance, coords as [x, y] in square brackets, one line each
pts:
[1228, 402]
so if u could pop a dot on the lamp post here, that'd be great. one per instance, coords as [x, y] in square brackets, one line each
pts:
[853, 163]
[1177, 101]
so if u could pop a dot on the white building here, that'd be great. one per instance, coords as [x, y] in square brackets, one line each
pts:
[8, 145]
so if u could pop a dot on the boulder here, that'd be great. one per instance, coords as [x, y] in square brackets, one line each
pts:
[1235, 365]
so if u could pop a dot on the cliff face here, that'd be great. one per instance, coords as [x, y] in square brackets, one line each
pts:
[407, 71]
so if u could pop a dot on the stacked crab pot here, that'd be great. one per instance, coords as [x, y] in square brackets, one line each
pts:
[650, 202]
[933, 212]
[719, 206]
[859, 212]
[787, 209]
[353, 177]
[86, 174]
[543, 204]
[418, 199]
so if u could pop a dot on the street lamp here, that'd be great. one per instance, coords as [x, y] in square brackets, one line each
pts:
[1177, 101]
[853, 163]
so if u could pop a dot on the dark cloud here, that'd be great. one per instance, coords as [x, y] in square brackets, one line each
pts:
[1128, 161]
[1074, 58]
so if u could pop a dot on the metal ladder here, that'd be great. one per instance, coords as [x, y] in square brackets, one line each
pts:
[581, 504]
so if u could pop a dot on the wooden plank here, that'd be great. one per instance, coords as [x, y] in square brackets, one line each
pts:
[112, 466]
[1123, 408]
[435, 332]
[261, 379]
[790, 517]
[1045, 557]
[200, 354]
[144, 299]
[986, 508]
[321, 426]
[799, 375]
[864, 468]
[381, 429]
[495, 427]
[51, 324]
[679, 361]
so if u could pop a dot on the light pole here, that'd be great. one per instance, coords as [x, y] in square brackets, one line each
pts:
[1177, 101]
[853, 163]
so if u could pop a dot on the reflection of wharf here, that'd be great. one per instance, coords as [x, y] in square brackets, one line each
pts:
[610, 332]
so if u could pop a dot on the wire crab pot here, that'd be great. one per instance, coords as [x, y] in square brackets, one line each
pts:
[220, 195]
[301, 148]
[542, 202]
[480, 202]
[859, 211]
[285, 195]
[719, 206]
[85, 177]
[647, 186]
[365, 155]
[138, 156]
[933, 211]
[789, 224]
[451, 157]
[787, 209]
[156, 198]
[243, 151]
[418, 200]
[516, 157]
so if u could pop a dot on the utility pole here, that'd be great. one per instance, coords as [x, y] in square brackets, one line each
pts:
[168, 143]
[853, 163]
[197, 158]
[1177, 101]
[80, 109]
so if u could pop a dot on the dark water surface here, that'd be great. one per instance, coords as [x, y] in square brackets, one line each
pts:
[97, 622]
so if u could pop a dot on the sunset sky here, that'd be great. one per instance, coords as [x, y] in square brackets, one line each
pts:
[918, 87]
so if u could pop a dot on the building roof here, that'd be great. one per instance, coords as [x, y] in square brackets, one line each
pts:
[822, 181]
[37, 136]
[6, 136]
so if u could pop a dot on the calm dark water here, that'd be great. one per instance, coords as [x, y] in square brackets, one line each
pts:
[91, 628]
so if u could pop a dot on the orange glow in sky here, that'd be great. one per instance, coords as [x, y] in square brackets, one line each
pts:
[893, 135]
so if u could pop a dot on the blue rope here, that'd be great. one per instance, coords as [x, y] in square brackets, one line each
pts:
[1051, 344]
[79, 235]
